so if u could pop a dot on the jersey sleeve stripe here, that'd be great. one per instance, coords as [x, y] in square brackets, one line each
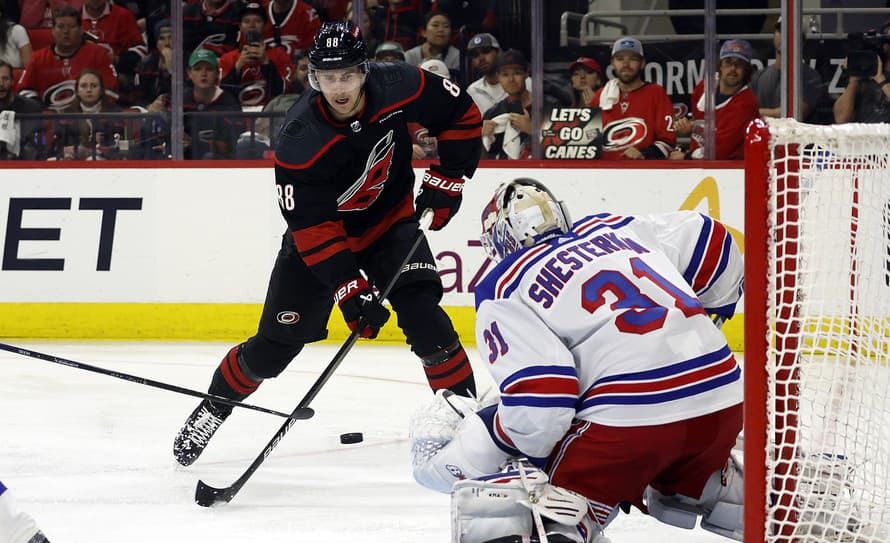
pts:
[716, 251]
[467, 133]
[516, 270]
[399, 104]
[312, 160]
[320, 241]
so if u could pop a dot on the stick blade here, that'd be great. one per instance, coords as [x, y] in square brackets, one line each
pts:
[208, 496]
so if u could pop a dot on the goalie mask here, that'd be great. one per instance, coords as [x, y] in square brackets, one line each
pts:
[337, 45]
[522, 213]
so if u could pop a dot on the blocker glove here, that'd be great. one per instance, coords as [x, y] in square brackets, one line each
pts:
[357, 300]
[440, 193]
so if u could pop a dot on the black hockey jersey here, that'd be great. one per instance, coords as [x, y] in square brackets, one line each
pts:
[341, 185]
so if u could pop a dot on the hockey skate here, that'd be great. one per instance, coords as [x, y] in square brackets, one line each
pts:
[197, 431]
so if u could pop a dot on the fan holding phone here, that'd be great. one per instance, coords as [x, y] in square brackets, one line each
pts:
[253, 72]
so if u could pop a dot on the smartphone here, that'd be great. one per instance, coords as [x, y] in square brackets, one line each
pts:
[252, 37]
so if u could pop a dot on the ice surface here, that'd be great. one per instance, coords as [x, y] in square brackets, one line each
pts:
[90, 456]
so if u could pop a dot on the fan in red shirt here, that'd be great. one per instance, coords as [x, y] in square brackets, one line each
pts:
[637, 116]
[253, 72]
[735, 105]
[114, 27]
[51, 72]
[292, 25]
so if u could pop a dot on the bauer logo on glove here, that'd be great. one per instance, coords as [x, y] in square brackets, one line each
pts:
[357, 301]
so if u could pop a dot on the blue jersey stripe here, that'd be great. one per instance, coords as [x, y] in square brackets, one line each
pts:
[662, 397]
[701, 246]
[669, 371]
[539, 401]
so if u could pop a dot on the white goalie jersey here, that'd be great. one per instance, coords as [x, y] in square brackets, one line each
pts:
[610, 324]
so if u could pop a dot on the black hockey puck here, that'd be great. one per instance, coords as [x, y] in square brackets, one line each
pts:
[351, 437]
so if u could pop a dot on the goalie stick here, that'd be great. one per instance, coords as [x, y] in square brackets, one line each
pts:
[206, 495]
[299, 414]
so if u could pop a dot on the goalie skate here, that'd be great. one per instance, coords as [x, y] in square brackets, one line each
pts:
[196, 432]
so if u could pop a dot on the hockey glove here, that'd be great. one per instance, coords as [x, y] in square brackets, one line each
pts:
[357, 301]
[440, 193]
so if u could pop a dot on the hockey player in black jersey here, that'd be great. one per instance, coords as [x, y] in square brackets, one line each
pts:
[346, 189]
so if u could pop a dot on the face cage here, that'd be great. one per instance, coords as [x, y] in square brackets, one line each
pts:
[363, 67]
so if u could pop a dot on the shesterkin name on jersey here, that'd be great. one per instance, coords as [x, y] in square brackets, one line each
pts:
[594, 240]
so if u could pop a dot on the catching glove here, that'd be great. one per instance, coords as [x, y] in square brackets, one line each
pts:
[356, 301]
[440, 193]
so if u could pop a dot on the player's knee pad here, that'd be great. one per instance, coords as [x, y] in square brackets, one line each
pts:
[266, 358]
[720, 506]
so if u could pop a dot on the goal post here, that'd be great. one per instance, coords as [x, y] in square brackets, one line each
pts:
[817, 332]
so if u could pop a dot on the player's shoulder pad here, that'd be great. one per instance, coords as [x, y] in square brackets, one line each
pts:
[303, 135]
[394, 81]
[485, 289]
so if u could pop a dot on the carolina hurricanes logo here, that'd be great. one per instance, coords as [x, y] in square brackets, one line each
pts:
[59, 95]
[253, 94]
[624, 133]
[369, 184]
[213, 39]
[680, 110]
[289, 42]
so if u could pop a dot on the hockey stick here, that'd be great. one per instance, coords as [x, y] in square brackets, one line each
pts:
[206, 495]
[297, 414]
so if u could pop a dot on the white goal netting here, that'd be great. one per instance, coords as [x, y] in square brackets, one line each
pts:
[828, 321]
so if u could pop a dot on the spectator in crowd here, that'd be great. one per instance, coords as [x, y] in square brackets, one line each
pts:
[470, 16]
[587, 78]
[15, 46]
[49, 75]
[866, 98]
[208, 137]
[767, 87]
[483, 50]
[153, 76]
[399, 21]
[91, 138]
[39, 13]
[254, 73]
[507, 126]
[114, 28]
[436, 34]
[19, 139]
[258, 143]
[637, 115]
[734, 104]
[366, 29]
[212, 25]
[301, 73]
[292, 24]
[389, 51]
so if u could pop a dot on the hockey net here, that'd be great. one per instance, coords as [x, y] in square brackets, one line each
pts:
[817, 333]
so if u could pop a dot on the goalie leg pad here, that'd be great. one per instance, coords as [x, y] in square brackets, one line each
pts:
[485, 510]
[721, 504]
